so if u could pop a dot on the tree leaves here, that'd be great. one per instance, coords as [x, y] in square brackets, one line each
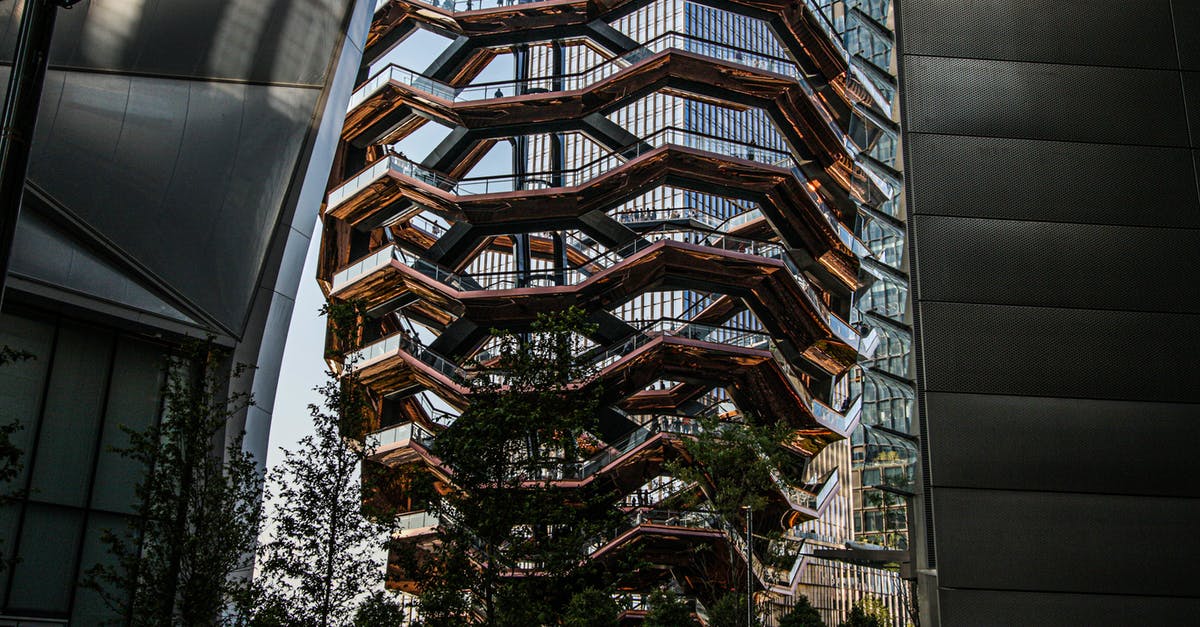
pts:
[322, 555]
[197, 509]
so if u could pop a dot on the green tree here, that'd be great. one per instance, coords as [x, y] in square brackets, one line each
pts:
[730, 611]
[736, 465]
[197, 511]
[10, 455]
[321, 554]
[867, 612]
[529, 409]
[802, 614]
[591, 608]
[379, 610]
[668, 610]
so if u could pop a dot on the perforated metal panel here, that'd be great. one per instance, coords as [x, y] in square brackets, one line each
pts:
[1054, 222]
[1065, 444]
[1113, 33]
[1046, 351]
[1022, 609]
[1064, 542]
[1044, 101]
[1187, 33]
[1191, 92]
[986, 177]
[1051, 264]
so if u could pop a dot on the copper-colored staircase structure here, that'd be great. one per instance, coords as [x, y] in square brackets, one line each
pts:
[412, 241]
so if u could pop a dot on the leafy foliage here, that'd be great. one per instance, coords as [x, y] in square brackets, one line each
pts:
[867, 612]
[321, 554]
[10, 454]
[197, 514]
[668, 610]
[802, 614]
[379, 610]
[730, 611]
[591, 608]
[734, 463]
[530, 408]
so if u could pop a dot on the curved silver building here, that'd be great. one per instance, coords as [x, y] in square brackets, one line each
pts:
[177, 168]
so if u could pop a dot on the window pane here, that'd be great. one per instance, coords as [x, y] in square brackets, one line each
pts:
[133, 402]
[44, 576]
[71, 419]
[89, 608]
[22, 383]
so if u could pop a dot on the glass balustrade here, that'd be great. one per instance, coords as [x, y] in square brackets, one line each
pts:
[656, 424]
[839, 422]
[513, 279]
[671, 40]
[831, 34]
[669, 136]
[362, 267]
[416, 520]
[572, 276]
[827, 488]
[783, 559]
[393, 344]
[457, 6]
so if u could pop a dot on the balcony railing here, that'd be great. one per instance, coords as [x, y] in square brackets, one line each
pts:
[415, 523]
[400, 341]
[394, 164]
[670, 40]
[839, 422]
[458, 6]
[400, 436]
[516, 279]
[637, 602]
[805, 496]
[411, 433]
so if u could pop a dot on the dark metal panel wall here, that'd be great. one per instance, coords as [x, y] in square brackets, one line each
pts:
[176, 130]
[1051, 168]
[269, 41]
[188, 177]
